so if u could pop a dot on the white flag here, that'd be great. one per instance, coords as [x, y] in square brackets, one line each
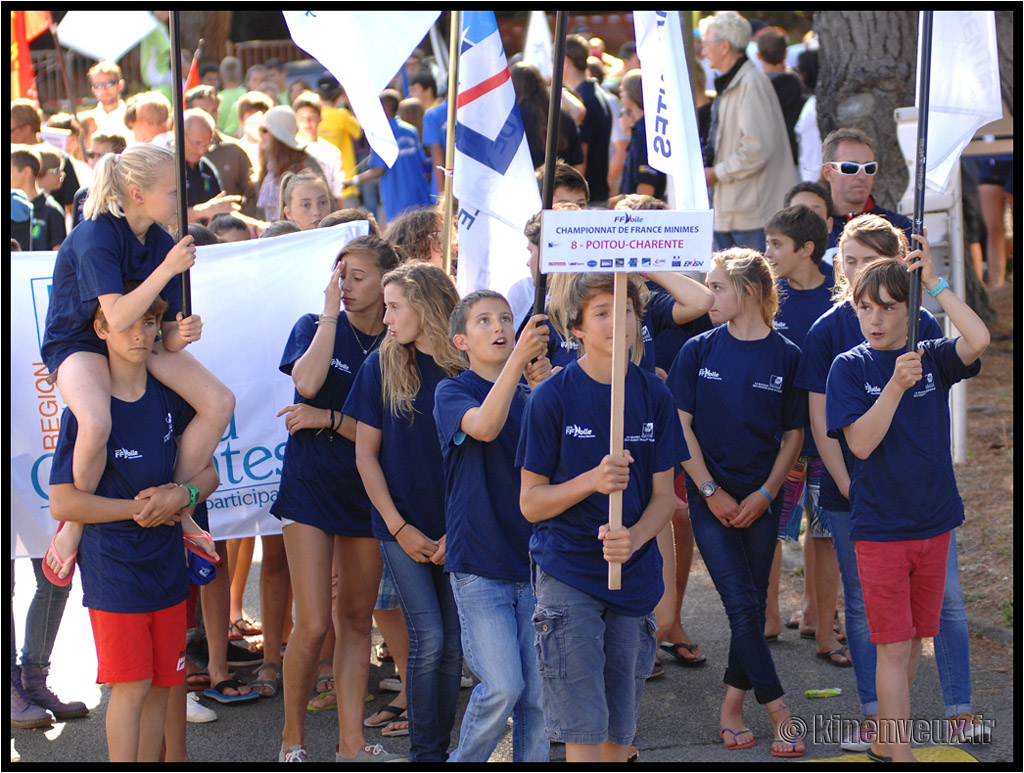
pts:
[104, 35]
[537, 45]
[494, 177]
[964, 94]
[673, 145]
[250, 294]
[363, 50]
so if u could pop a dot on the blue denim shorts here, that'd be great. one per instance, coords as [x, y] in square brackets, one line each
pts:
[594, 663]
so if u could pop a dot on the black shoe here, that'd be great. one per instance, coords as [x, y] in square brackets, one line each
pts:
[240, 656]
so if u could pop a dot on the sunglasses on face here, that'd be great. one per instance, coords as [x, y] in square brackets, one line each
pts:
[105, 84]
[849, 168]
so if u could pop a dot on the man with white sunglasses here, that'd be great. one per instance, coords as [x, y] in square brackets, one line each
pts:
[848, 168]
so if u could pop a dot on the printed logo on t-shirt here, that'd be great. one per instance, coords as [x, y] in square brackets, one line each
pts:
[711, 375]
[872, 390]
[774, 384]
[646, 434]
[929, 386]
[569, 345]
[574, 430]
[645, 334]
[343, 367]
[780, 325]
[170, 428]
[127, 453]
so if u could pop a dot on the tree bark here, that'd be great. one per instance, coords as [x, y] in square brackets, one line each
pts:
[867, 66]
[213, 27]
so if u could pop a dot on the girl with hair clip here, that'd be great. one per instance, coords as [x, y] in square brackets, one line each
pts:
[867, 238]
[399, 461]
[742, 417]
[132, 195]
[323, 508]
[305, 199]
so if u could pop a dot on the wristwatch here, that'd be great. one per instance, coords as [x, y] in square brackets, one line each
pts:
[708, 489]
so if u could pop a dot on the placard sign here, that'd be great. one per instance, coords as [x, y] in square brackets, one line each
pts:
[618, 240]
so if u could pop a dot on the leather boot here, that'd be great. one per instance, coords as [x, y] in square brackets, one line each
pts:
[33, 679]
[24, 713]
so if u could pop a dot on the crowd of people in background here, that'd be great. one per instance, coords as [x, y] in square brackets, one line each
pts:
[799, 241]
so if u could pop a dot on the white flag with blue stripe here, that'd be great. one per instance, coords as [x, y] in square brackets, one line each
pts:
[494, 176]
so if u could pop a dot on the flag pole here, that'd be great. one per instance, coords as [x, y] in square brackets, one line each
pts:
[923, 91]
[67, 85]
[454, 36]
[179, 153]
[551, 148]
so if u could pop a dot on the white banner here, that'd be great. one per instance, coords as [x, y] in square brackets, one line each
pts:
[964, 93]
[104, 35]
[673, 145]
[249, 294]
[621, 241]
[494, 177]
[537, 47]
[363, 50]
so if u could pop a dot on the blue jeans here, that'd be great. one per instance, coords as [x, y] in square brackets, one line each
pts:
[496, 617]
[43, 619]
[952, 645]
[723, 240]
[740, 562]
[434, 672]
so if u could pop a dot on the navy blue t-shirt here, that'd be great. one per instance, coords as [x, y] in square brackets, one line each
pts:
[669, 340]
[320, 485]
[635, 169]
[743, 397]
[409, 453]
[840, 219]
[127, 568]
[566, 433]
[403, 186]
[596, 134]
[487, 533]
[834, 332]
[906, 489]
[97, 258]
[798, 310]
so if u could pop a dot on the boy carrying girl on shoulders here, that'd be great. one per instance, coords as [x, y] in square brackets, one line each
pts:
[135, 573]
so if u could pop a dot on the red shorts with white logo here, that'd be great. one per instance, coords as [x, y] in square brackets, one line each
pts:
[140, 645]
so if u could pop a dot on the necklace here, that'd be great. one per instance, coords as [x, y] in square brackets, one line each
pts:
[355, 334]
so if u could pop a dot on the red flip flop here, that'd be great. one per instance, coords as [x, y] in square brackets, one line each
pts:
[194, 545]
[52, 576]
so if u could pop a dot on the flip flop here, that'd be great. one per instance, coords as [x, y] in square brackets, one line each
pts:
[812, 636]
[791, 752]
[672, 648]
[52, 576]
[772, 639]
[322, 697]
[194, 544]
[244, 627]
[321, 681]
[197, 680]
[398, 730]
[394, 711]
[217, 692]
[875, 757]
[736, 734]
[827, 657]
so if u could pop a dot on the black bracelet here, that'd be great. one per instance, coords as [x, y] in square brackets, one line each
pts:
[395, 535]
[337, 426]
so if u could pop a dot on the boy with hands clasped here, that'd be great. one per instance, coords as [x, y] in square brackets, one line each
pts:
[892, 408]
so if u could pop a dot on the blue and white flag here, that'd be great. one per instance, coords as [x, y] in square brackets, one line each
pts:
[673, 144]
[965, 92]
[364, 50]
[494, 177]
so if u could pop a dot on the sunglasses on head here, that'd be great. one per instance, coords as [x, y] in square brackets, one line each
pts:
[849, 168]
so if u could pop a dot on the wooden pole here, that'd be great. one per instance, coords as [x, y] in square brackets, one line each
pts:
[619, 366]
[924, 90]
[66, 79]
[179, 152]
[454, 36]
[551, 147]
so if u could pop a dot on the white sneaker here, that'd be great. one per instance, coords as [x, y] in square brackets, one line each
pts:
[369, 753]
[196, 712]
[467, 681]
[857, 740]
[293, 754]
[391, 684]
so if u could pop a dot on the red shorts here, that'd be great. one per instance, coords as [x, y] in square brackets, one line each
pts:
[903, 584]
[190, 606]
[134, 646]
[679, 484]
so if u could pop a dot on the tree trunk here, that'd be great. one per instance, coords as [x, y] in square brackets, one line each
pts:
[213, 27]
[867, 67]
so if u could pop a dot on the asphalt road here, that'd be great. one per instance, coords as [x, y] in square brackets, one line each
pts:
[678, 717]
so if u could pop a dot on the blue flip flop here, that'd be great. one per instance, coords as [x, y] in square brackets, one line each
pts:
[217, 692]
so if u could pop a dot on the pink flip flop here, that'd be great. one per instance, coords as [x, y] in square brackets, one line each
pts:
[52, 576]
[194, 545]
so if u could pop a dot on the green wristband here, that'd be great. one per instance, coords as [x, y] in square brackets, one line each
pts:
[193, 493]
